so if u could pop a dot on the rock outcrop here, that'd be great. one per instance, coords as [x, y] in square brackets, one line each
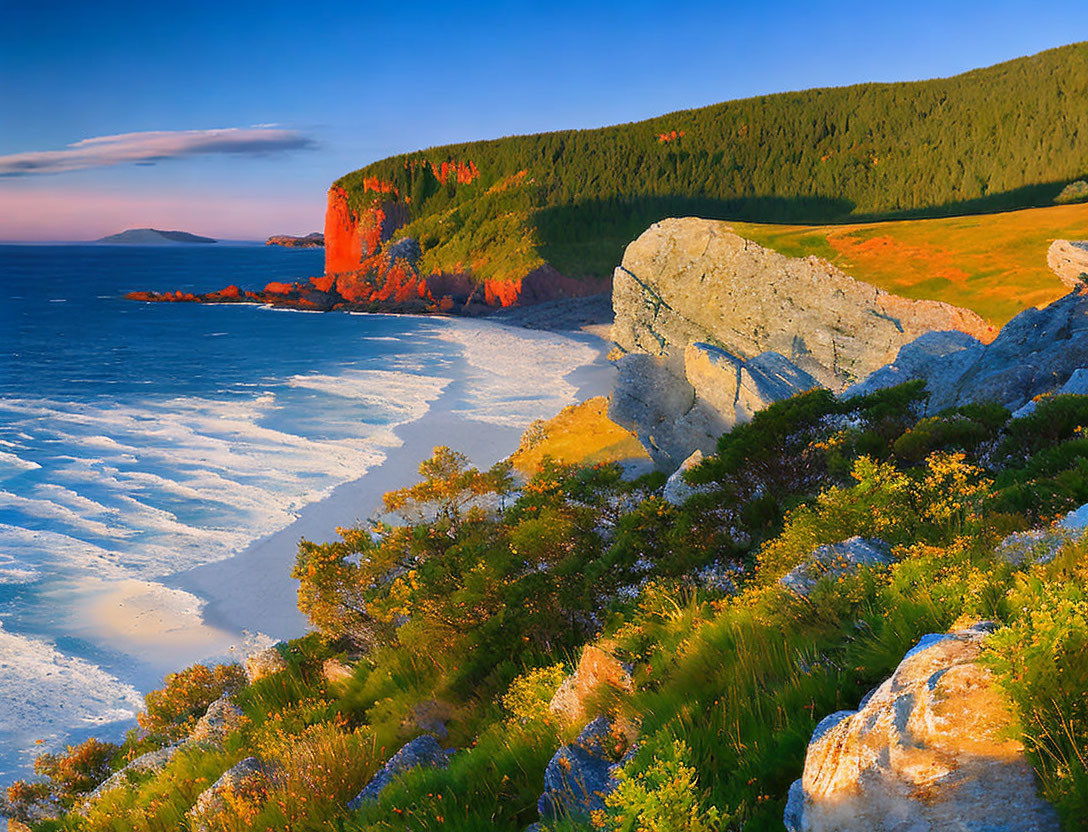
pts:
[597, 672]
[677, 490]
[1042, 545]
[1035, 353]
[833, 560]
[927, 751]
[580, 775]
[221, 718]
[714, 327]
[245, 783]
[1069, 261]
[422, 751]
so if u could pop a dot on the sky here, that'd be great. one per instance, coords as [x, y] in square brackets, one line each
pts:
[231, 119]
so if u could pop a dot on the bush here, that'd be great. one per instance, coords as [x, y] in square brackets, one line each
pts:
[172, 711]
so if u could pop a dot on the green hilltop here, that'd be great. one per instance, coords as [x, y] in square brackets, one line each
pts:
[999, 138]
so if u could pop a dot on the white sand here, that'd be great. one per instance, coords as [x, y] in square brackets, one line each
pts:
[254, 593]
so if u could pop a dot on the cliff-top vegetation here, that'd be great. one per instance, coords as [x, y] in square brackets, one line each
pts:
[993, 139]
[463, 617]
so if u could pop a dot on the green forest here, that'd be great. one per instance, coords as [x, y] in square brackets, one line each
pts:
[1000, 138]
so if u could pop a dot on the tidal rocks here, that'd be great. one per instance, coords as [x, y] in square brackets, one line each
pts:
[834, 559]
[597, 671]
[244, 784]
[1069, 261]
[422, 751]
[761, 326]
[929, 750]
[1036, 353]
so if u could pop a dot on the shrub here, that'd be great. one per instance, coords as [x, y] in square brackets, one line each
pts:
[172, 711]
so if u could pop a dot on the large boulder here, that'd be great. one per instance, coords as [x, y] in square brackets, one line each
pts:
[580, 775]
[422, 751]
[763, 325]
[1036, 353]
[833, 560]
[220, 719]
[677, 490]
[243, 785]
[1069, 261]
[930, 750]
[597, 671]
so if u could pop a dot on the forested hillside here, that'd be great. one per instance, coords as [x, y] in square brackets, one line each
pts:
[1008, 136]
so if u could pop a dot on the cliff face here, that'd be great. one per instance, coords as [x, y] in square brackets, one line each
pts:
[713, 327]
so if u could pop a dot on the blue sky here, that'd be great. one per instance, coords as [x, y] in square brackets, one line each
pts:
[313, 93]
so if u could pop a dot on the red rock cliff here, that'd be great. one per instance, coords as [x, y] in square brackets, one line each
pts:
[351, 238]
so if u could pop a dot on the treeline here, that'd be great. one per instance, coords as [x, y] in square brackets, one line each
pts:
[1005, 137]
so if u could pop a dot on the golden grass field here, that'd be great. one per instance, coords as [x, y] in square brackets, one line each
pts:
[994, 264]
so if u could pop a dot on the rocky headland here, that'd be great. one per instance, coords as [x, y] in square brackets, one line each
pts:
[153, 237]
[712, 327]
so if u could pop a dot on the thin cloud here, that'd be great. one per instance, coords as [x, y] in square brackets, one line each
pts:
[153, 146]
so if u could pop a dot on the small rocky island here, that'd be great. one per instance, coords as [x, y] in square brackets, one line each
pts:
[313, 240]
[153, 237]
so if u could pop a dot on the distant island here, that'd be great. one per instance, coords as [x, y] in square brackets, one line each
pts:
[153, 237]
[314, 240]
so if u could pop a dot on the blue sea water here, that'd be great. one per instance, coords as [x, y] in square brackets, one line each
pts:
[140, 440]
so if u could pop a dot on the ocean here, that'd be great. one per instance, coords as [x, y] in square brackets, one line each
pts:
[140, 441]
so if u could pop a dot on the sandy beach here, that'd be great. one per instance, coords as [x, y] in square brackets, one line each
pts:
[253, 592]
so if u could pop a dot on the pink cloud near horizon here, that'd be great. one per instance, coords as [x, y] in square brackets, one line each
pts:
[153, 146]
[62, 214]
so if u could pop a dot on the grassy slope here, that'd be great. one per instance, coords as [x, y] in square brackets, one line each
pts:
[581, 434]
[994, 264]
[994, 139]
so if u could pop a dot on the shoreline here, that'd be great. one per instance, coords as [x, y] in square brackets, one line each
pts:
[268, 604]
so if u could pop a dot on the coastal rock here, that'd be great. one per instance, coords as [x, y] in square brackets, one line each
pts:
[580, 775]
[264, 663]
[221, 718]
[1069, 261]
[677, 491]
[244, 784]
[928, 751]
[1034, 354]
[766, 325]
[422, 751]
[597, 670]
[833, 560]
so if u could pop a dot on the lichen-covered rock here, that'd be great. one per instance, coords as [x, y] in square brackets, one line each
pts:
[692, 281]
[596, 670]
[149, 763]
[264, 663]
[1036, 353]
[928, 751]
[834, 559]
[1069, 261]
[244, 785]
[422, 751]
[580, 775]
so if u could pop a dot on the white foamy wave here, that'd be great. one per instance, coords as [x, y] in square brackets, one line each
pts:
[11, 464]
[44, 692]
[408, 394]
[519, 375]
